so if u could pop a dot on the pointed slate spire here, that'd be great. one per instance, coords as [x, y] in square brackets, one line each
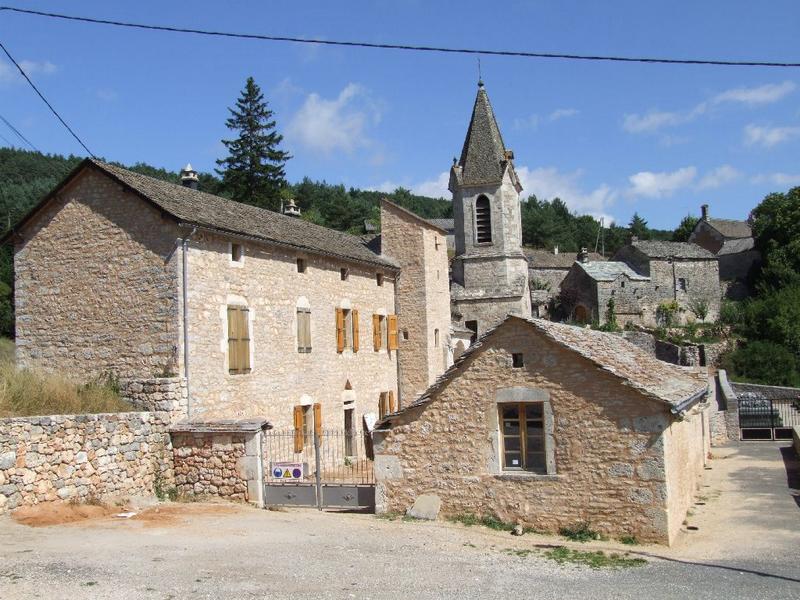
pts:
[483, 157]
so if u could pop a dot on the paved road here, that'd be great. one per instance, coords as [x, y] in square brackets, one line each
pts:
[747, 546]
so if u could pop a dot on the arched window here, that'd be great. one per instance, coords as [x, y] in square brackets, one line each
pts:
[483, 220]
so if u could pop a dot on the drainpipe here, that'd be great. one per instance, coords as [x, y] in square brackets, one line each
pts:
[185, 265]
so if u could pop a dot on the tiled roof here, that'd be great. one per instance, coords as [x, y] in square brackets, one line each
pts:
[664, 249]
[448, 225]
[731, 228]
[609, 270]
[545, 259]
[484, 154]
[675, 386]
[736, 245]
[220, 214]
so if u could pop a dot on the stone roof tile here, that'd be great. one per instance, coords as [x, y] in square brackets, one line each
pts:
[665, 249]
[483, 156]
[731, 228]
[546, 259]
[610, 270]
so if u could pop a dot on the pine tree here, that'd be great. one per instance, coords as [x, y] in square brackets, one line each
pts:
[253, 172]
[638, 227]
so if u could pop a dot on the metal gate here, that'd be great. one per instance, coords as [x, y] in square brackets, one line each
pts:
[326, 469]
[767, 419]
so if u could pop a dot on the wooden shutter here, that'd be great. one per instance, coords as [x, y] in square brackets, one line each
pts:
[318, 419]
[354, 317]
[298, 429]
[392, 407]
[339, 330]
[303, 330]
[238, 340]
[392, 332]
[376, 332]
[382, 405]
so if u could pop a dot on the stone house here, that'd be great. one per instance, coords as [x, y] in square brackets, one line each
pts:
[546, 271]
[448, 225]
[731, 241]
[548, 425]
[489, 270]
[254, 313]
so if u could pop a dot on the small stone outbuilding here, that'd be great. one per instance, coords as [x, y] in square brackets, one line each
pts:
[548, 425]
[547, 269]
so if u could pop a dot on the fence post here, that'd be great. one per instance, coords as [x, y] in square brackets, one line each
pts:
[318, 474]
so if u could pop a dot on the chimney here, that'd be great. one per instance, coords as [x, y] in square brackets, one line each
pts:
[189, 177]
[290, 209]
[704, 212]
[583, 255]
[555, 249]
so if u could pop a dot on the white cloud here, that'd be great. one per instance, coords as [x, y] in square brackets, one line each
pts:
[9, 73]
[339, 124]
[782, 179]
[530, 122]
[718, 177]
[764, 94]
[548, 183]
[658, 185]
[563, 113]
[769, 136]
[652, 121]
[435, 188]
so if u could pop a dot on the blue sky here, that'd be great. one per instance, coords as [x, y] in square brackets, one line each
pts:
[610, 139]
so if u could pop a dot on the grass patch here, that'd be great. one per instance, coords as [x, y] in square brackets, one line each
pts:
[490, 521]
[388, 516]
[522, 553]
[595, 560]
[28, 392]
[579, 532]
[629, 540]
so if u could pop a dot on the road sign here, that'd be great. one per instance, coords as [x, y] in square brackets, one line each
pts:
[287, 471]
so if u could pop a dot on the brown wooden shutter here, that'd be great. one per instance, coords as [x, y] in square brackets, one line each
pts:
[238, 340]
[392, 407]
[382, 405]
[376, 332]
[339, 330]
[244, 339]
[232, 339]
[318, 419]
[392, 332]
[298, 429]
[303, 330]
[354, 317]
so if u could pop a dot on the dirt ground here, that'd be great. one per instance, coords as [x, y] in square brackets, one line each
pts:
[747, 545]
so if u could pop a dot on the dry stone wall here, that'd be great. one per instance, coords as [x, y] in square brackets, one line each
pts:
[158, 394]
[83, 457]
[211, 465]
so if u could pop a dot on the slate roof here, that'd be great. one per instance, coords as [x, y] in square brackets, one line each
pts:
[483, 156]
[752, 391]
[736, 245]
[731, 228]
[412, 214]
[609, 270]
[678, 387]
[664, 249]
[204, 210]
[449, 225]
[545, 259]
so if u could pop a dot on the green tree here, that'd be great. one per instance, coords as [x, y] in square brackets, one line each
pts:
[638, 227]
[253, 172]
[684, 230]
[777, 234]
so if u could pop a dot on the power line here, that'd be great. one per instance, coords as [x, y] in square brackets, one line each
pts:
[50, 106]
[276, 38]
[19, 135]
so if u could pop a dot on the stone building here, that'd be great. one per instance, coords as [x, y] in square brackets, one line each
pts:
[548, 425]
[730, 241]
[448, 225]
[422, 297]
[547, 269]
[259, 314]
[489, 271]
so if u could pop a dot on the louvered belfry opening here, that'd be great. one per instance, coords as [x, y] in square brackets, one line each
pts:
[483, 220]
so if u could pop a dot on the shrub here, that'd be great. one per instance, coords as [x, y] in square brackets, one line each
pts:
[538, 284]
[730, 313]
[762, 362]
[700, 308]
[665, 313]
[579, 532]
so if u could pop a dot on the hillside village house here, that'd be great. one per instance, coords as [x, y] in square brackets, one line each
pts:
[547, 269]
[259, 313]
[548, 425]
[641, 277]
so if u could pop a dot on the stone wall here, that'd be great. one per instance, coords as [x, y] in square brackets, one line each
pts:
[268, 283]
[224, 464]
[730, 404]
[158, 394]
[96, 284]
[83, 457]
[608, 449]
[422, 298]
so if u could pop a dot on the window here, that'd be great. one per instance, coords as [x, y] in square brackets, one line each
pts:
[304, 330]
[237, 253]
[391, 334]
[518, 360]
[344, 274]
[386, 404]
[522, 434]
[473, 327]
[379, 279]
[301, 265]
[622, 284]
[436, 338]
[436, 242]
[306, 424]
[483, 220]
[405, 335]
[681, 287]
[349, 431]
[346, 329]
[238, 340]
[384, 332]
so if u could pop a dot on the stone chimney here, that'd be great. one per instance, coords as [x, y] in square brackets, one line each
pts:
[189, 177]
[290, 209]
[583, 255]
[704, 212]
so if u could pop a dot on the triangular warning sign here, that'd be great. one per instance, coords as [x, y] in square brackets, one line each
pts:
[287, 474]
